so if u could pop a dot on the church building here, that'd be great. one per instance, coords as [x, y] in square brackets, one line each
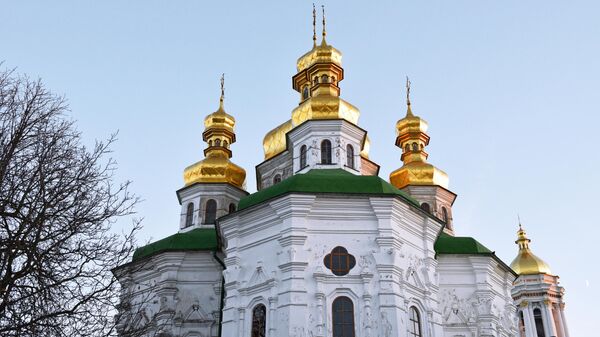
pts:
[326, 247]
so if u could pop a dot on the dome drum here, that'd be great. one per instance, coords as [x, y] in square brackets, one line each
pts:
[317, 71]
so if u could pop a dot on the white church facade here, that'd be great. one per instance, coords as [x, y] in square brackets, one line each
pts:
[326, 247]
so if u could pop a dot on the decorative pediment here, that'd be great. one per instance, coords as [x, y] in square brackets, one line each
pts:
[259, 281]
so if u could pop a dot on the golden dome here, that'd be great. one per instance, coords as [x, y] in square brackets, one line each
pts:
[317, 107]
[216, 167]
[412, 138]
[274, 141]
[323, 53]
[526, 263]
[219, 120]
[325, 107]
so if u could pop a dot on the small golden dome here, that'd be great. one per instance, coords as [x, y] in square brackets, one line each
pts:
[412, 138]
[219, 120]
[322, 53]
[216, 167]
[526, 263]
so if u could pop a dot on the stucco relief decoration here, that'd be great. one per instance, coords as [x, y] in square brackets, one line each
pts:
[188, 308]
[455, 310]
[339, 261]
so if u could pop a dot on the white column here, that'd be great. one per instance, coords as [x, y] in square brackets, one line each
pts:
[558, 320]
[241, 313]
[548, 320]
[528, 321]
[564, 320]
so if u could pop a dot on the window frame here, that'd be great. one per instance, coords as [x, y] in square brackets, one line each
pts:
[339, 310]
[303, 150]
[415, 328]
[350, 156]
[206, 211]
[189, 215]
[326, 152]
[258, 325]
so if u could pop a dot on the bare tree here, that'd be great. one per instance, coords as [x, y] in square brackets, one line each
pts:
[58, 204]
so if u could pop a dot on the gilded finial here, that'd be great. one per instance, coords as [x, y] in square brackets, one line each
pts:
[522, 239]
[324, 31]
[222, 91]
[314, 26]
[408, 109]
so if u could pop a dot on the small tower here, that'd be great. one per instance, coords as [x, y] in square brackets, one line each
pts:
[214, 185]
[323, 131]
[423, 181]
[537, 294]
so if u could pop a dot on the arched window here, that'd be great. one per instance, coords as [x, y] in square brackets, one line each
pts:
[302, 156]
[324, 79]
[217, 142]
[225, 144]
[316, 80]
[259, 321]
[209, 143]
[305, 93]
[521, 325]
[326, 152]
[231, 208]
[415, 147]
[539, 323]
[425, 207]
[445, 215]
[407, 148]
[189, 214]
[339, 261]
[333, 79]
[210, 213]
[349, 156]
[414, 327]
[277, 179]
[342, 312]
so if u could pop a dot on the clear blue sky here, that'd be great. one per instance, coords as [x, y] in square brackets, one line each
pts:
[509, 89]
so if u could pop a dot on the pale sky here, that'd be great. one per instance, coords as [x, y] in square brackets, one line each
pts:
[509, 90]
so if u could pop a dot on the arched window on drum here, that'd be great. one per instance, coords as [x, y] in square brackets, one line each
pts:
[326, 152]
[302, 156]
[189, 215]
[349, 156]
[210, 213]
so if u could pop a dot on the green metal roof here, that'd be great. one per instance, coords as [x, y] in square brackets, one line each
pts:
[196, 239]
[335, 181]
[447, 244]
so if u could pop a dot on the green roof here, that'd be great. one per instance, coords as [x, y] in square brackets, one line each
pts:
[196, 239]
[447, 244]
[336, 181]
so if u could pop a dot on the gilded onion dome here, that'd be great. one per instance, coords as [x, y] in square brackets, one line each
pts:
[412, 138]
[217, 167]
[317, 81]
[526, 263]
